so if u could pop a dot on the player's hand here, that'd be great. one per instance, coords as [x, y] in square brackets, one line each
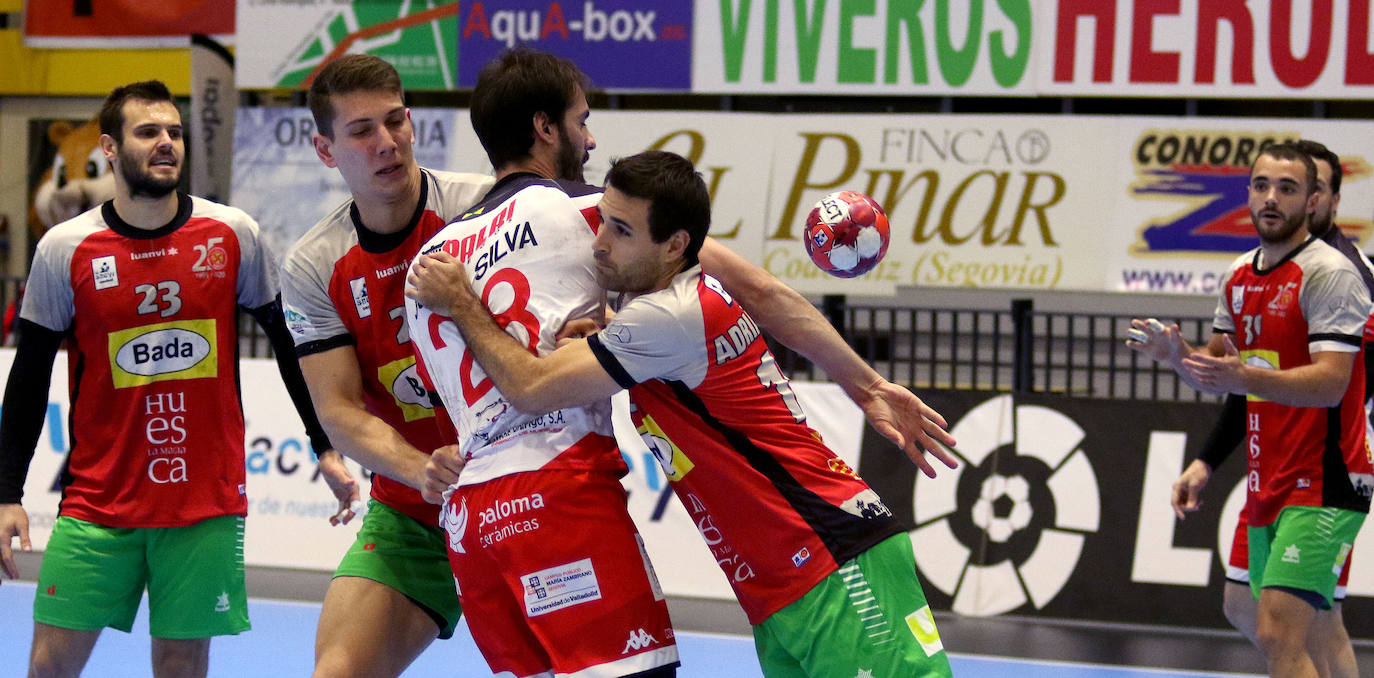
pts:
[901, 417]
[576, 328]
[14, 522]
[440, 282]
[441, 473]
[342, 483]
[1185, 497]
[1218, 374]
[1153, 338]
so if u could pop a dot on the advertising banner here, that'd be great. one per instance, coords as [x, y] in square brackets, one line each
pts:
[211, 124]
[283, 43]
[1179, 195]
[1048, 202]
[124, 23]
[620, 44]
[1061, 509]
[931, 48]
[1204, 48]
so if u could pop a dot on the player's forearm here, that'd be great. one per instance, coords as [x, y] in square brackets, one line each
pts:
[1226, 434]
[363, 437]
[515, 372]
[1314, 385]
[273, 324]
[24, 406]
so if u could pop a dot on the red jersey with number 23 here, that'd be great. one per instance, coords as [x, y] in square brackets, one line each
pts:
[157, 429]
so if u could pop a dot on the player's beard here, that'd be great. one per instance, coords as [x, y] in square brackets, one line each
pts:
[1320, 223]
[570, 158]
[1291, 224]
[141, 183]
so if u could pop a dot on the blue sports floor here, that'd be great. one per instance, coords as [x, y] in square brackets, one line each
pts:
[282, 641]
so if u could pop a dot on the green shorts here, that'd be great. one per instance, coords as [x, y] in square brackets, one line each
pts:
[1304, 549]
[93, 576]
[870, 617]
[400, 552]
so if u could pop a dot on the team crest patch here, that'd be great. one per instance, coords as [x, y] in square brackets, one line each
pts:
[1237, 298]
[360, 300]
[104, 272]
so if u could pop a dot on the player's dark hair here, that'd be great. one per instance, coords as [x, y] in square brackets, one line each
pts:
[1290, 151]
[346, 74]
[677, 195]
[112, 111]
[1319, 151]
[510, 90]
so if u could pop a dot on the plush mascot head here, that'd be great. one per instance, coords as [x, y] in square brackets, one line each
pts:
[79, 178]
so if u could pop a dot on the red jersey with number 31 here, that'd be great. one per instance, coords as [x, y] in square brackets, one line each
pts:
[1310, 302]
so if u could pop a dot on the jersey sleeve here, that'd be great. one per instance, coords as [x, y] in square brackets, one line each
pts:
[651, 340]
[257, 284]
[1336, 304]
[310, 313]
[48, 296]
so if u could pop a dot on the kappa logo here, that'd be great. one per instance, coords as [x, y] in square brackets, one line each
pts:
[639, 639]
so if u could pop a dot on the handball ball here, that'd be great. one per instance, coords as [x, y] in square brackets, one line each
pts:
[846, 234]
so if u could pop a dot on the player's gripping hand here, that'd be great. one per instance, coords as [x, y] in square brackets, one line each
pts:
[907, 421]
[441, 473]
[1188, 488]
[440, 282]
[14, 522]
[342, 483]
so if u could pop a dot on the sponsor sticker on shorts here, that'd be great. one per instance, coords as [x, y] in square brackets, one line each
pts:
[560, 587]
[922, 625]
[1340, 559]
[402, 378]
[182, 349]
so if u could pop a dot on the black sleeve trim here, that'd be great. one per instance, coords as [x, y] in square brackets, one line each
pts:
[609, 363]
[26, 401]
[322, 345]
[273, 323]
[1353, 340]
[1226, 434]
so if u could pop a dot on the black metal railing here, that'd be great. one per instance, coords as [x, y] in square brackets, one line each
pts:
[1017, 349]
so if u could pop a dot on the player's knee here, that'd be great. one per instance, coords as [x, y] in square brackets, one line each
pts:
[46, 663]
[336, 663]
[181, 659]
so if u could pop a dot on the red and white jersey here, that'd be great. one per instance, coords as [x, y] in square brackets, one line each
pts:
[1310, 302]
[157, 429]
[343, 284]
[528, 252]
[779, 510]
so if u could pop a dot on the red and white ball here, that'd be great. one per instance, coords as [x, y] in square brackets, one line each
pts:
[846, 234]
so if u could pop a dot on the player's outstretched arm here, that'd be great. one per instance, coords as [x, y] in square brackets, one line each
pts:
[21, 422]
[570, 376]
[336, 387]
[790, 318]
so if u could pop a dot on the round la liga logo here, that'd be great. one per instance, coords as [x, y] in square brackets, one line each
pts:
[1024, 496]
